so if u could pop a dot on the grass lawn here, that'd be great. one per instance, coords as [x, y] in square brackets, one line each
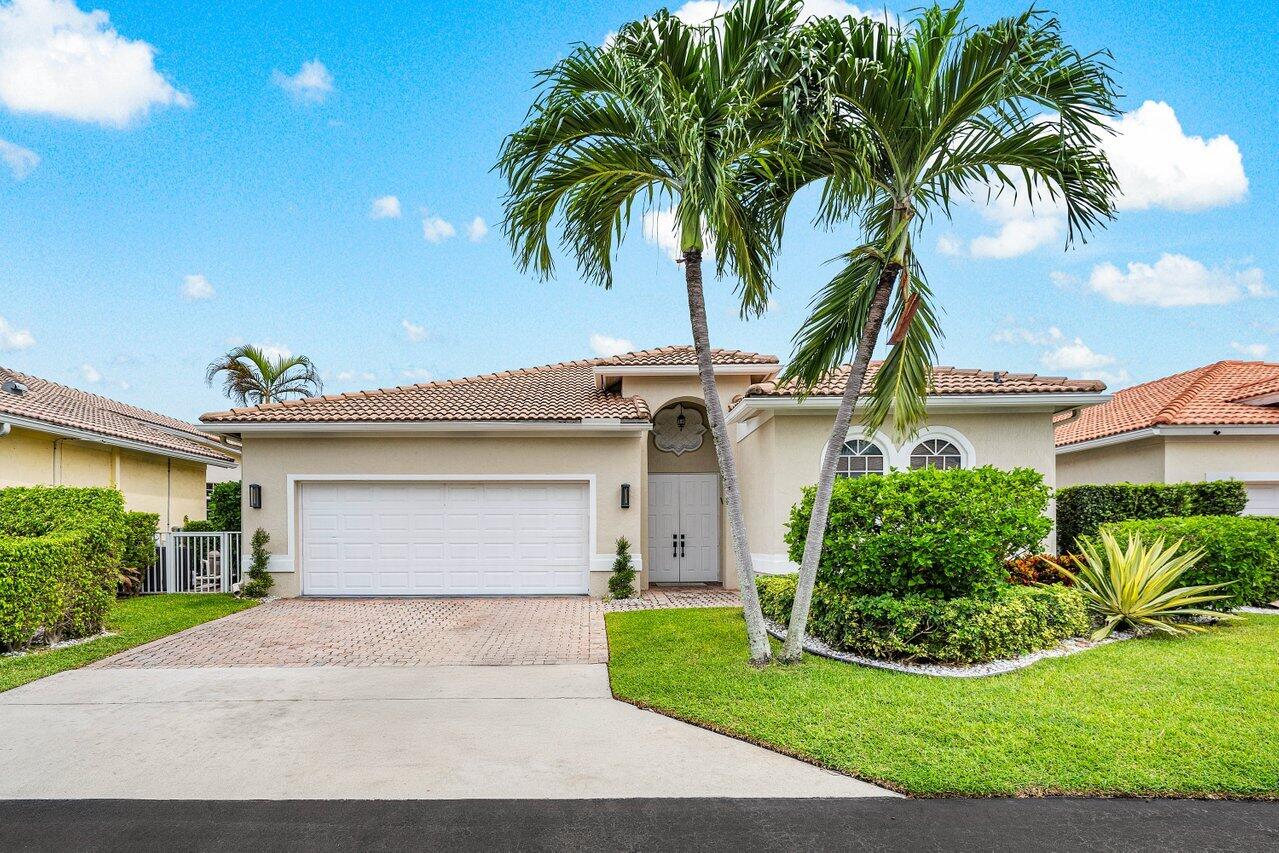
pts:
[135, 621]
[1195, 716]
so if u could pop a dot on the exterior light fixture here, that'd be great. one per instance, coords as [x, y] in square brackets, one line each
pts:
[626, 495]
[255, 496]
[682, 420]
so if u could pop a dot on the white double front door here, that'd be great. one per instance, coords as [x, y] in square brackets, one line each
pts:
[683, 528]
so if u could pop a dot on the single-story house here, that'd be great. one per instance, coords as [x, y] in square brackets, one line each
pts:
[520, 482]
[52, 435]
[1220, 421]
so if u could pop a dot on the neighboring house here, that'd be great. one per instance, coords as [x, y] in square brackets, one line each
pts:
[1214, 422]
[520, 482]
[51, 435]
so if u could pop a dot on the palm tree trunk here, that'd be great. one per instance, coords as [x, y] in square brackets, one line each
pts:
[756, 634]
[793, 648]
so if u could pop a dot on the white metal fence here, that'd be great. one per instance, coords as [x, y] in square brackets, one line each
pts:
[195, 562]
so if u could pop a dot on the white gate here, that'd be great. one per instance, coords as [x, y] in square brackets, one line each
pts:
[195, 562]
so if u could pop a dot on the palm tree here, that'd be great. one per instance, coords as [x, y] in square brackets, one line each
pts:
[252, 377]
[914, 117]
[665, 113]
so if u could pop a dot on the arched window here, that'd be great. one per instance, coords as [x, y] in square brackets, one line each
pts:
[859, 458]
[936, 453]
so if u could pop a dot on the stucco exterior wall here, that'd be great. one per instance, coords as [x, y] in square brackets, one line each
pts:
[26, 459]
[612, 460]
[1129, 462]
[1195, 458]
[658, 391]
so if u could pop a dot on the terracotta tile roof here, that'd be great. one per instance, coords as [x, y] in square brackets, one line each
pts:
[946, 381]
[685, 354]
[60, 406]
[1205, 395]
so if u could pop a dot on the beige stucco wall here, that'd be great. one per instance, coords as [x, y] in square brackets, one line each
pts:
[612, 459]
[172, 488]
[657, 391]
[1130, 462]
[1194, 458]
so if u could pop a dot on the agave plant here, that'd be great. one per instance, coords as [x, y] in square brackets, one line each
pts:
[1134, 586]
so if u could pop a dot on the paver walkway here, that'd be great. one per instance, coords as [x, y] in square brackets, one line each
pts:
[407, 632]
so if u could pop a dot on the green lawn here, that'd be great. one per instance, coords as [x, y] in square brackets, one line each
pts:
[135, 621]
[1196, 716]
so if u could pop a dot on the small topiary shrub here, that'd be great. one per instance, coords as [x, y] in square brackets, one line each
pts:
[1081, 510]
[224, 506]
[139, 550]
[621, 584]
[1016, 620]
[927, 532]
[1241, 551]
[60, 554]
[259, 582]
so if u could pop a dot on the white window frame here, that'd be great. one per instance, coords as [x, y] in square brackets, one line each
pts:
[878, 439]
[897, 456]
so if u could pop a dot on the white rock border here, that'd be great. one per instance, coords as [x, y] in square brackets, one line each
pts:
[1069, 646]
[78, 641]
[1259, 611]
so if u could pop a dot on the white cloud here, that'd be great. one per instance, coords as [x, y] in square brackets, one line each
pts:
[660, 229]
[417, 374]
[436, 230]
[196, 287]
[1021, 231]
[12, 338]
[1059, 353]
[60, 61]
[1175, 281]
[19, 160]
[351, 375]
[949, 244]
[312, 83]
[413, 330]
[90, 373]
[477, 230]
[604, 346]
[1022, 335]
[701, 11]
[1253, 351]
[274, 351]
[385, 207]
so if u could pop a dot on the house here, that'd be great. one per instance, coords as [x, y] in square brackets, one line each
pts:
[1220, 421]
[52, 435]
[520, 482]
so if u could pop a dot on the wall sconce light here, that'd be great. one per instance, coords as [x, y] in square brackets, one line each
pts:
[626, 495]
[681, 421]
[255, 496]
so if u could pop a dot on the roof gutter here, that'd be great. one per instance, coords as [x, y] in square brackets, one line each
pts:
[1047, 402]
[583, 425]
[1169, 431]
[114, 441]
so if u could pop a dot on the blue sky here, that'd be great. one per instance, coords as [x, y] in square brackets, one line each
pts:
[178, 178]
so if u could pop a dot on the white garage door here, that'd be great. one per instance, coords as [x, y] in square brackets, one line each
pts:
[444, 538]
[1263, 499]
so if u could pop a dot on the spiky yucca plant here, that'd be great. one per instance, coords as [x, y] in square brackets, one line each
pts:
[1134, 586]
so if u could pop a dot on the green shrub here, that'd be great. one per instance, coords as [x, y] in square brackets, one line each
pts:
[60, 555]
[139, 550]
[198, 525]
[1241, 551]
[260, 580]
[224, 506]
[1017, 620]
[1081, 510]
[621, 584]
[938, 534]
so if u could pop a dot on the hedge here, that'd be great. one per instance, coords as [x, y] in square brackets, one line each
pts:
[1243, 552]
[1081, 510]
[1016, 621]
[224, 506]
[939, 534]
[138, 551]
[60, 555]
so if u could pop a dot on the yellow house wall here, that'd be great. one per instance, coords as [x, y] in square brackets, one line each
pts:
[26, 459]
[1128, 462]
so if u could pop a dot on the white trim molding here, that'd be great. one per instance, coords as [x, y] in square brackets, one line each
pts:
[762, 369]
[1244, 476]
[1170, 431]
[1047, 402]
[578, 427]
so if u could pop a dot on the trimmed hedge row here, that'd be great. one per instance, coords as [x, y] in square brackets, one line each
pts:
[1017, 620]
[1243, 552]
[60, 556]
[1081, 510]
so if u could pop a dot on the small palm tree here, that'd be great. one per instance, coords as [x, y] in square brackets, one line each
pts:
[917, 116]
[250, 377]
[666, 113]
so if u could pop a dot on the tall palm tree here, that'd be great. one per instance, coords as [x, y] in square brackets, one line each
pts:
[251, 377]
[665, 113]
[915, 117]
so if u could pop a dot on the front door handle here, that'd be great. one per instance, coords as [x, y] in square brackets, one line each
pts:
[681, 544]
[675, 545]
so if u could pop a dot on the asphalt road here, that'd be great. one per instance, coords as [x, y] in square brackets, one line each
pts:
[640, 824]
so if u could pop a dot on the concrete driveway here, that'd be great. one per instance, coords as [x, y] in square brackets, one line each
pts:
[144, 726]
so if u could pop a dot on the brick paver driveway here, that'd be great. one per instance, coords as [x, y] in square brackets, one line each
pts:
[406, 632]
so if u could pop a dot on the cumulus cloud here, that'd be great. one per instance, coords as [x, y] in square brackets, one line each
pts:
[90, 373]
[477, 230]
[352, 375]
[385, 207]
[413, 330]
[660, 229]
[13, 338]
[275, 351]
[1021, 230]
[311, 83]
[949, 244]
[1176, 281]
[58, 60]
[604, 346]
[436, 230]
[1253, 351]
[196, 287]
[1021, 335]
[1060, 353]
[19, 160]
[417, 374]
